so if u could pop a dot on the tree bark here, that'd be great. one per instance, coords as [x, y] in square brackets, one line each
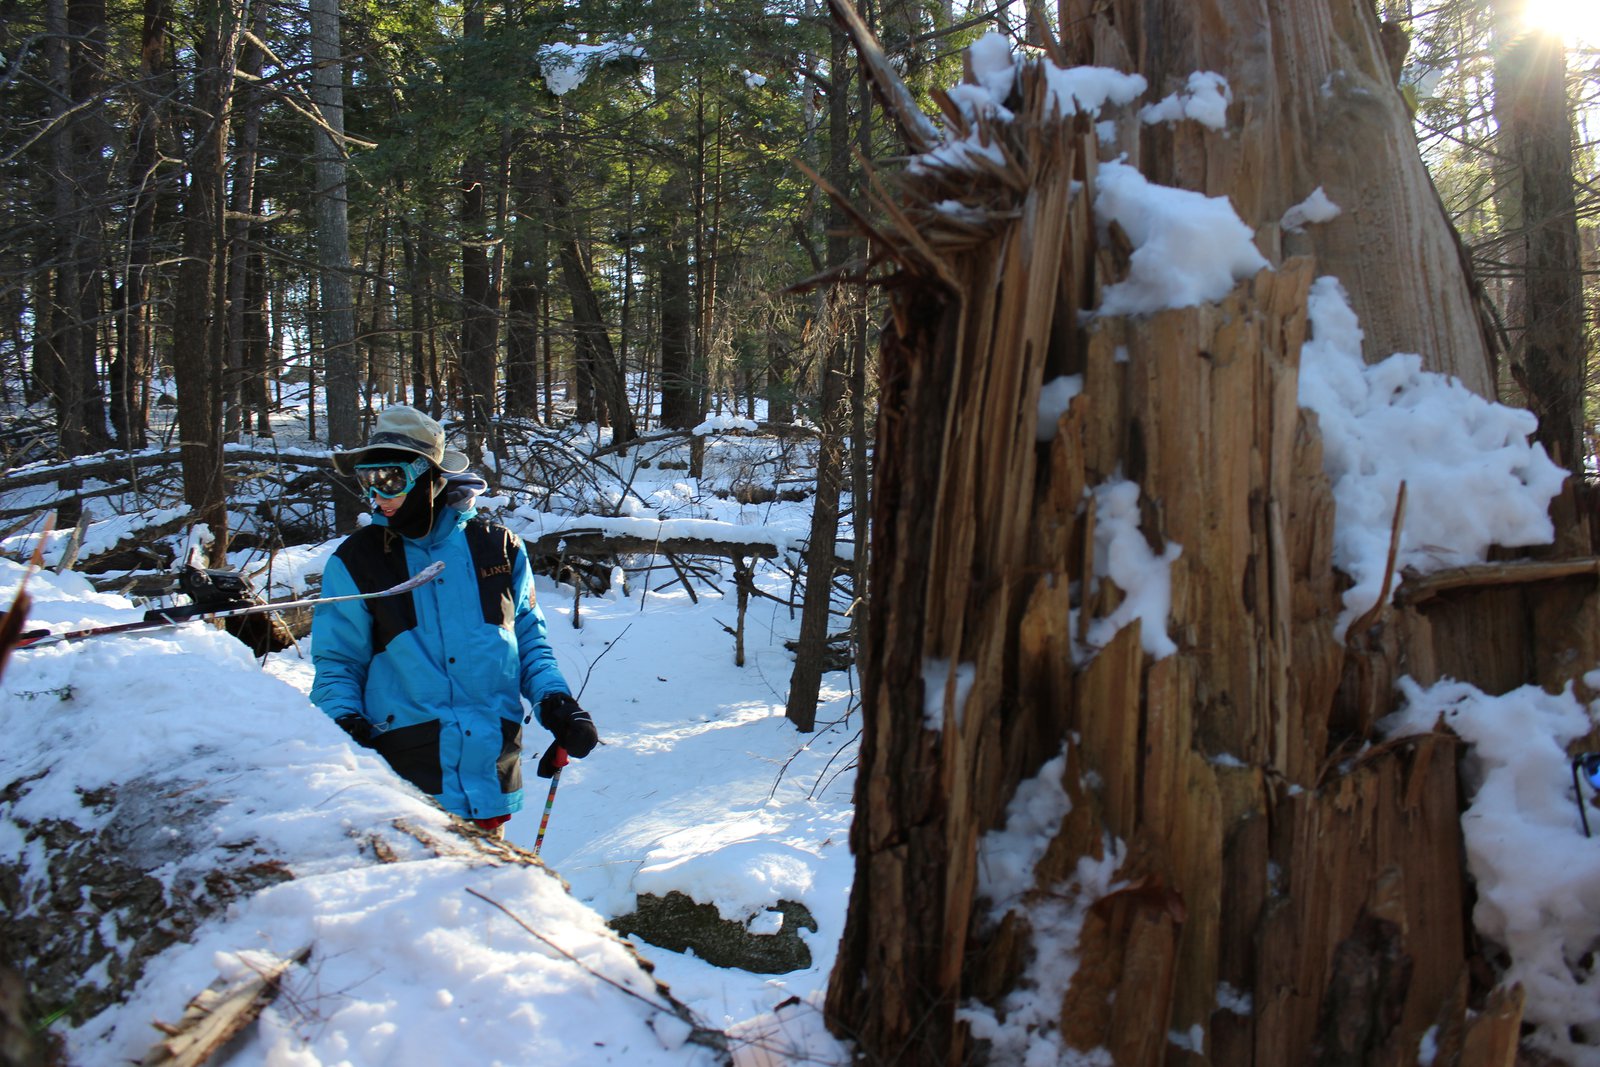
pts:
[240, 258]
[805, 681]
[331, 204]
[199, 317]
[130, 370]
[1309, 80]
[1536, 197]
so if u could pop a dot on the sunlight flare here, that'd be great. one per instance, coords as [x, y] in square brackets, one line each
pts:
[1574, 21]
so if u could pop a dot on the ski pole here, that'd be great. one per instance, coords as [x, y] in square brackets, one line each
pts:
[558, 759]
[40, 638]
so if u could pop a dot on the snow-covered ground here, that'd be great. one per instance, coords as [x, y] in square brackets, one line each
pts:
[700, 786]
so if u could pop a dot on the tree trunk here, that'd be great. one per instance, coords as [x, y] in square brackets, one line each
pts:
[1309, 80]
[805, 681]
[240, 258]
[198, 320]
[592, 340]
[1546, 313]
[480, 300]
[1214, 849]
[258, 346]
[594, 344]
[331, 200]
[526, 277]
[678, 212]
[130, 371]
[680, 395]
[77, 52]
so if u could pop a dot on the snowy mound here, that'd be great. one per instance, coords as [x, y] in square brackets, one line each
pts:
[172, 814]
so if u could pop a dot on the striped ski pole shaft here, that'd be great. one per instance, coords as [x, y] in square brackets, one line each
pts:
[559, 761]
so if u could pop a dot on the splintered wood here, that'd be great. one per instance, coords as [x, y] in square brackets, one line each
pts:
[1281, 903]
[216, 1015]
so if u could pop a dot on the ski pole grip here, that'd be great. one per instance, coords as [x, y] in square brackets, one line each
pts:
[554, 758]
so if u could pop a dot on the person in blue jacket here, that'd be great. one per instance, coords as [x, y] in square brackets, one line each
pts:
[433, 679]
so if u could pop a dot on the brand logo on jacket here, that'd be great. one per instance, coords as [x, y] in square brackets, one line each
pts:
[490, 572]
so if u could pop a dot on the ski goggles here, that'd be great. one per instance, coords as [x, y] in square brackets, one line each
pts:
[390, 480]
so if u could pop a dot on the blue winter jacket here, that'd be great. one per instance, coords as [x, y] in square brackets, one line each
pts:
[438, 672]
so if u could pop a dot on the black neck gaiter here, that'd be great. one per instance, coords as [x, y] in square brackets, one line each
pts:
[418, 511]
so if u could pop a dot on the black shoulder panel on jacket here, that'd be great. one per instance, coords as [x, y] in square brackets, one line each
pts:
[494, 548]
[375, 556]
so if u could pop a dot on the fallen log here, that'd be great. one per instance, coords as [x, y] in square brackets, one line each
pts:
[598, 543]
[119, 463]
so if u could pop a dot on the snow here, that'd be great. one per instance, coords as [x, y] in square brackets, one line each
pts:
[1008, 856]
[1314, 208]
[1188, 248]
[720, 423]
[939, 678]
[1204, 99]
[1023, 1027]
[1092, 89]
[1086, 89]
[1537, 875]
[1472, 477]
[1054, 398]
[701, 786]
[1122, 555]
[564, 67]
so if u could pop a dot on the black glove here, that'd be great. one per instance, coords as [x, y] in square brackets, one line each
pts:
[357, 726]
[572, 726]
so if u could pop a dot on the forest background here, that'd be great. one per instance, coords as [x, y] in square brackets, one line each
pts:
[503, 213]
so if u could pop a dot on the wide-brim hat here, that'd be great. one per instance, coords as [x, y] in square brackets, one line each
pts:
[403, 429]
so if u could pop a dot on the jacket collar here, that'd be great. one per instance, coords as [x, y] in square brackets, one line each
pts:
[448, 521]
